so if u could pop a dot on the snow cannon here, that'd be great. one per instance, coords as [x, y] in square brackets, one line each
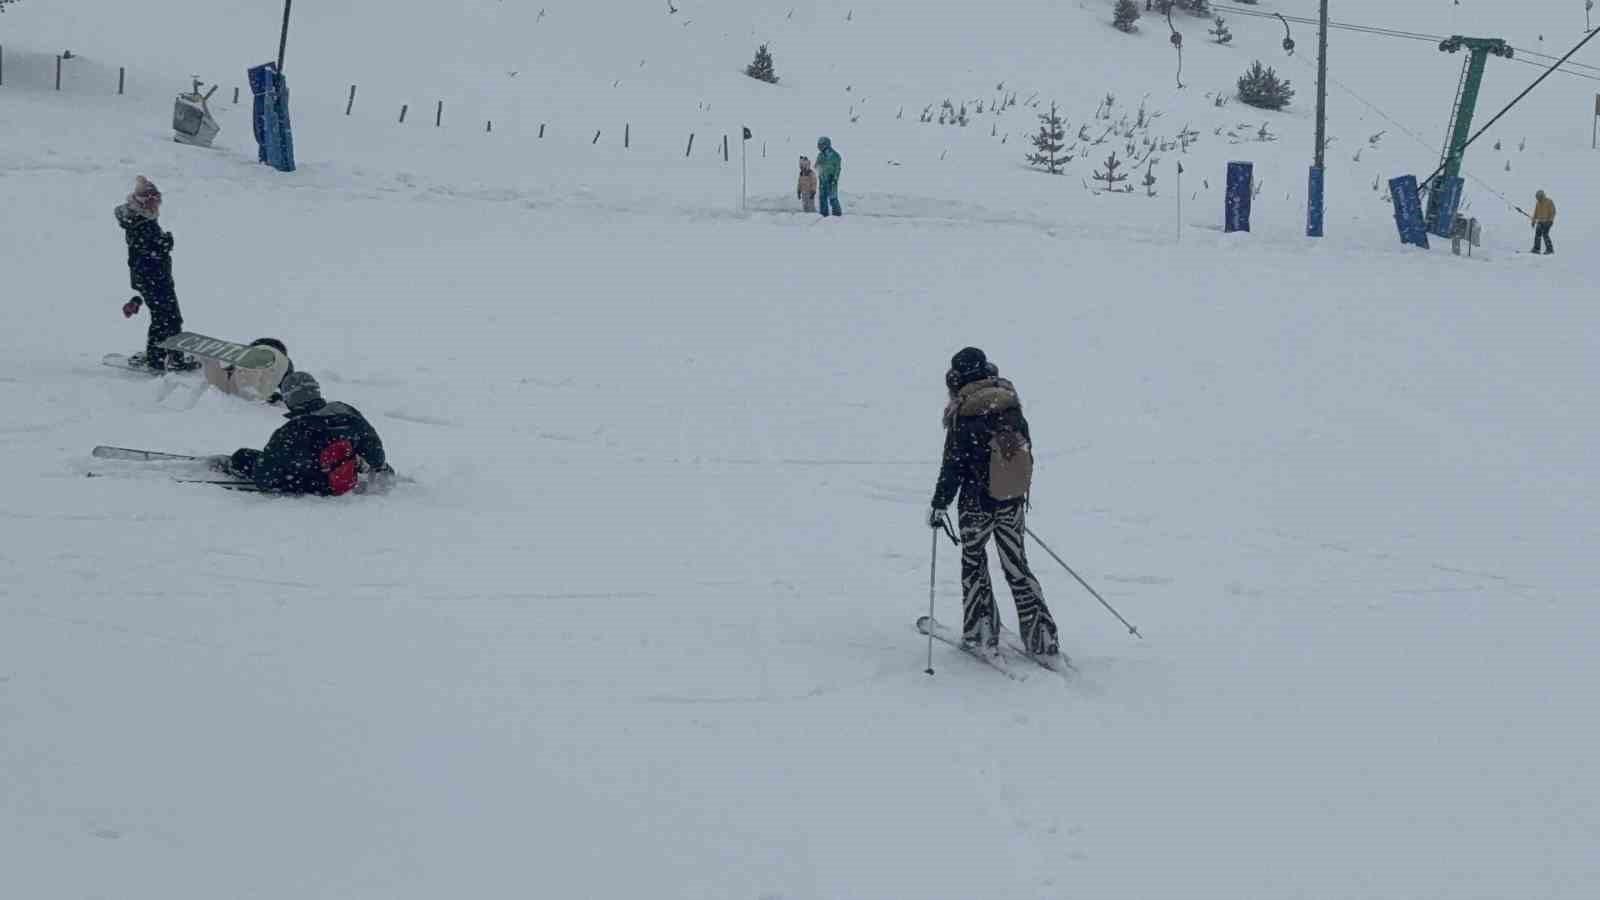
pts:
[192, 122]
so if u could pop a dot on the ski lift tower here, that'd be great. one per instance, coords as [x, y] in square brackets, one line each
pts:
[1444, 192]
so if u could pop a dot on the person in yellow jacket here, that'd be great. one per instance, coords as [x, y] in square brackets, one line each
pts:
[1544, 216]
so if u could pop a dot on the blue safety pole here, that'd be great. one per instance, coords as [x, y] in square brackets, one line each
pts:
[1236, 202]
[1408, 217]
[1314, 207]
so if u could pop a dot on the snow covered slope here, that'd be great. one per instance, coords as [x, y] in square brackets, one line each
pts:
[642, 626]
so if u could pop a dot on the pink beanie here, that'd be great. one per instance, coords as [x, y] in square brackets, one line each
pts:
[146, 197]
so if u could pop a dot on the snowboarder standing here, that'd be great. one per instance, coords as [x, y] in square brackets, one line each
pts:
[150, 274]
[828, 166]
[1544, 218]
[806, 190]
[321, 450]
[988, 457]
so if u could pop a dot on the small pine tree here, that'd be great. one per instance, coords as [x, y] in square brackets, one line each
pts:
[1219, 31]
[761, 69]
[1111, 176]
[1261, 87]
[1150, 180]
[1126, 14]
[1049, 142]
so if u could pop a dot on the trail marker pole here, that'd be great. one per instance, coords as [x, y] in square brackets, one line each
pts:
[933, 568]
[1314, 192]
[283, 39]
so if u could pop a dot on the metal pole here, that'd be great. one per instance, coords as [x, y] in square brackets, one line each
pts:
[1180, 202]
[1322, 82]
[1315, 192]
[283, 39]
[1131, 630]
[744, 176]
[933, 566]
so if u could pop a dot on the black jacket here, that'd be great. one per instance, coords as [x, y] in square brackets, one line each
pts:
[970, 424]
[291, 462]
[149, 254]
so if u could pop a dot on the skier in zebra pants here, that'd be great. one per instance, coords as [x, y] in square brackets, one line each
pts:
[988, 457]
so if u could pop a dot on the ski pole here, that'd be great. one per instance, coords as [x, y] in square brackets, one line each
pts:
[1131, 630]
[933, 566]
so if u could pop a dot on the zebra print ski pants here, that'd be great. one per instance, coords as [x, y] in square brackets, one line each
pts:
[980, 615]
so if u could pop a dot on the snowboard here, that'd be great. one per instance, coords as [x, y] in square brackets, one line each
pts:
[135, 364]
[241, 356]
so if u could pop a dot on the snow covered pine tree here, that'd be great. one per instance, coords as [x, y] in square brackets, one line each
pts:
[1049, 142]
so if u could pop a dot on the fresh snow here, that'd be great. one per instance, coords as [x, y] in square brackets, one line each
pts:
[642, 625]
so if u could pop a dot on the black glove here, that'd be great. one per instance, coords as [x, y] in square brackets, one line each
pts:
[937, 518]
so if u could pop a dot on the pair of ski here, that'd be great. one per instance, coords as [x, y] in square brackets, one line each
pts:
[217, 464]
[998, 659]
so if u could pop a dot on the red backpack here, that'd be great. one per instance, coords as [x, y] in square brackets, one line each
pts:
[338, 461]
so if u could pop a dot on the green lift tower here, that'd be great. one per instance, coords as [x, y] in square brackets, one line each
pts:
[1444, 191]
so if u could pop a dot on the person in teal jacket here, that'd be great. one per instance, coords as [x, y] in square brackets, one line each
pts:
[828, 166]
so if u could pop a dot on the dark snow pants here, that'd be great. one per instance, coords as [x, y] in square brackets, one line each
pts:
[1541, 232]
[980, 615]
[165, 321]
[828, 199]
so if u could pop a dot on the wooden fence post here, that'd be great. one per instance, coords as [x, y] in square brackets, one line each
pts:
[58, 71]
[438, 115]
[596, 138]
[627, 130]
[488, 126]
[349, 104]
[236, 96]
[403, 113]
[689, 149]
[541, 131]
[724, 148]
[122, 78]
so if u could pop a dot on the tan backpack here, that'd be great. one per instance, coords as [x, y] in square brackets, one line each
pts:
[1010, 460]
